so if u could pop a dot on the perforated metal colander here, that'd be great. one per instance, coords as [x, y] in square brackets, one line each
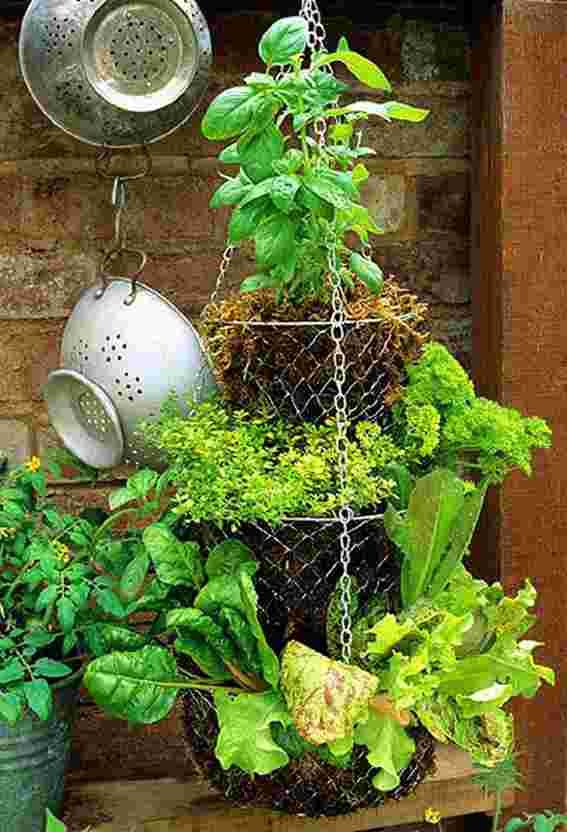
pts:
[117, 73]
[125, 348]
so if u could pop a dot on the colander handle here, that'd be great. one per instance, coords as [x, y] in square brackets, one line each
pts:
[106, 273]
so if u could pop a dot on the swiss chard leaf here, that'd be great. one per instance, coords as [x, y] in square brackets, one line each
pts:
[139, 686]
[176, 563]
[269, 660]
[227, 557]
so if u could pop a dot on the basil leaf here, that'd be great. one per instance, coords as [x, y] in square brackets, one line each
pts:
[275, 239]
[388, 111]
[259, 281]
[231, 113]
[284, 191]
[370, 274]
[363, 69]
[285, 39]
[229, 193]
[246, 218]
[230, 155]
[259, 150]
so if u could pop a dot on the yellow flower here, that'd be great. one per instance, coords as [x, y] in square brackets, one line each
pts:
[432, 816]
[7, 532]
[62, 551]
[33, 464]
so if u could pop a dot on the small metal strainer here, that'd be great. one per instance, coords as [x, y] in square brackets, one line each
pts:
[125, 348]
[116, 73]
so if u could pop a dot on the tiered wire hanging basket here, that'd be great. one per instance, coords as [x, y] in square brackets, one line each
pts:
[342, 368]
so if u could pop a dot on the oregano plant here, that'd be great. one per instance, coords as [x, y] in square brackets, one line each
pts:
[297, 191]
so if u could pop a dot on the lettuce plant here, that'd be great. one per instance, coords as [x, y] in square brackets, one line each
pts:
[294, 196]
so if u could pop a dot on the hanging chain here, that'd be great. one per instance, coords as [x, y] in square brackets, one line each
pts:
[317, 34]
[345, 512]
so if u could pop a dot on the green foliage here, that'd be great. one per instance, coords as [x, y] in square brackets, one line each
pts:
[441, 421]
[61, 576]
[245, 738]
[232, 467]
[325, 698]
[293, 197]
[434, 533]
[52, 824]
[427, 662]
[546, 821]
[390, 748]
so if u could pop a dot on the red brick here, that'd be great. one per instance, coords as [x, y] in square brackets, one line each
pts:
[174, 207]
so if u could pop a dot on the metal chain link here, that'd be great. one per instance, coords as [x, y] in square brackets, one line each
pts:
[317, 33]
[345, 512]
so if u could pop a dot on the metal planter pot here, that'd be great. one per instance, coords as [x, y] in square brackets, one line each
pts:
[33, 760]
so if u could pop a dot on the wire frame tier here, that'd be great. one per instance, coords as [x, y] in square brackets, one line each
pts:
[308, 786]
[299, 568]
[284, 355]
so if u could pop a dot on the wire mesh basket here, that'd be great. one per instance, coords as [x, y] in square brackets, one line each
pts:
[262, 354]
[299, 568]
[308, 786]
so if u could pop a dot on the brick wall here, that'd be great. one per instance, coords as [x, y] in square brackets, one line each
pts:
[55, 222]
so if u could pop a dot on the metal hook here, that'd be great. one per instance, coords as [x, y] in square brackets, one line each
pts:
[103, 162]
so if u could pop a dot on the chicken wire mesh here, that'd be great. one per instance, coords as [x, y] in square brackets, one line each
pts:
[299, 568]
[289, 367]
[307, 786]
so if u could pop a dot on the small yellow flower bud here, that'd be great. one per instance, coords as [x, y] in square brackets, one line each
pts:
[432, 816]
[33, 464]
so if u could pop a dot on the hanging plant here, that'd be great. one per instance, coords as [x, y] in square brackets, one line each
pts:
[296, 198]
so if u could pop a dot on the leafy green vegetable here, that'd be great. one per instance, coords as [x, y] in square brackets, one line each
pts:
[435, 533]
[268, 659]
[227, 557]
[230, 113]
[325, 698]
[441, 421]
[311, 200]
[138, 686]
[175, 562]
[285, 39]
[245, 738]
[390, 748]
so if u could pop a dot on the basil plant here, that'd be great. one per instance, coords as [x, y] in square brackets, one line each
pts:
[296, 194]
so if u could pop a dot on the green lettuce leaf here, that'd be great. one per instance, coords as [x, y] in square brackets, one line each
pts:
[390, 748]
[245, 739]
[325, 698]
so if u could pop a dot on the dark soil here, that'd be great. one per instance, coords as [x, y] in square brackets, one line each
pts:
[258, 358]
[307, 786]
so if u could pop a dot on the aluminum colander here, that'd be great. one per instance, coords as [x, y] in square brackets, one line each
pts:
[116, 73]
[125, 348]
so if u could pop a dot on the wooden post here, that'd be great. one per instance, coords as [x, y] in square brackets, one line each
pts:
[520, 338]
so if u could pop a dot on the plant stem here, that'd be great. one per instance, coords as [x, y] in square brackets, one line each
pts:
[497, 811]
[110, 521]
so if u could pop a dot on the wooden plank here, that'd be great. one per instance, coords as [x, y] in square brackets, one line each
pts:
[520, 338]
[169, 805]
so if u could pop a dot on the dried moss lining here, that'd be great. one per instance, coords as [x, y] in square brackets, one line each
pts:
[291, 367]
